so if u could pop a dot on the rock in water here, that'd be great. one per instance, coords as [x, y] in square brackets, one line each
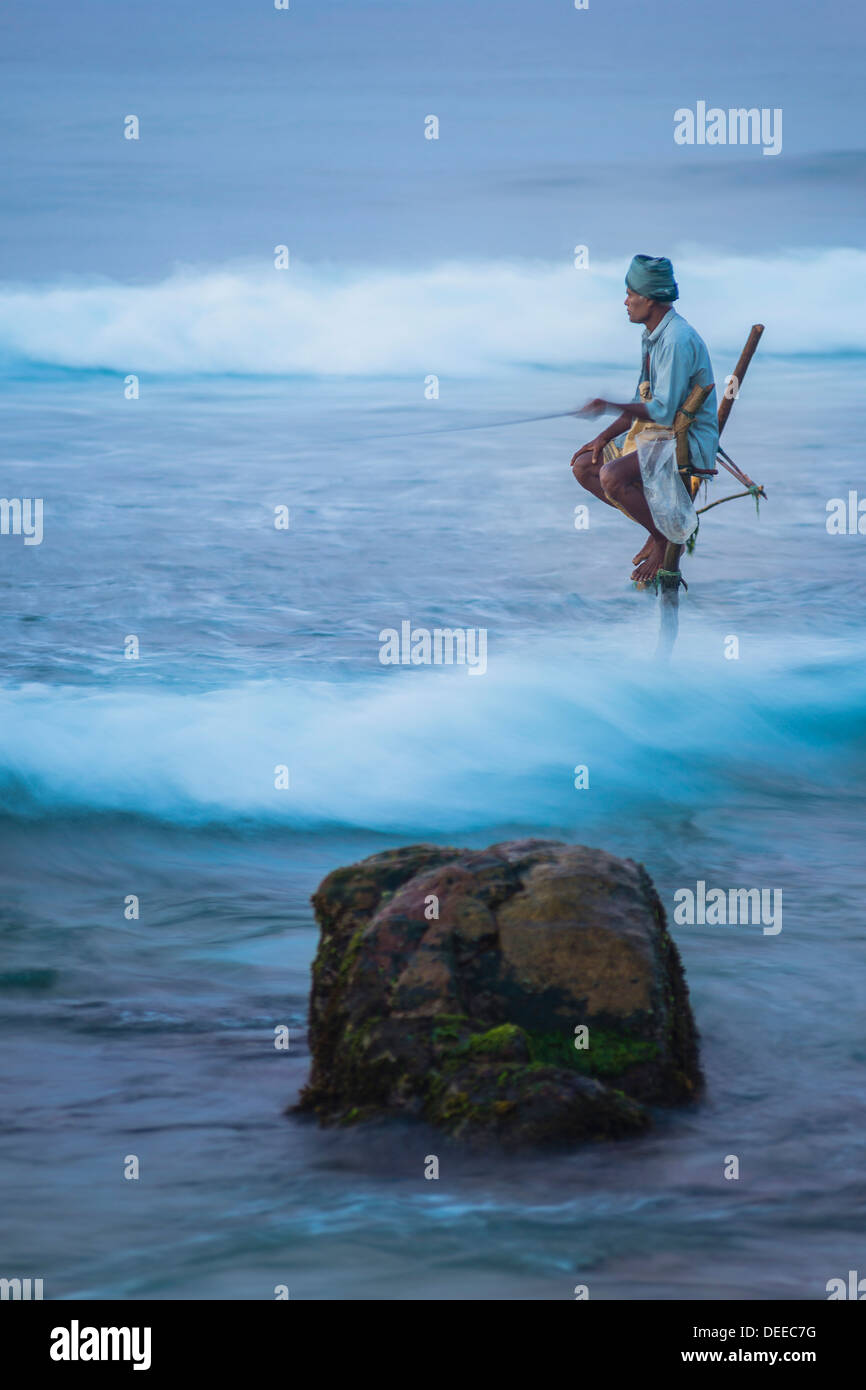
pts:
[460, 986]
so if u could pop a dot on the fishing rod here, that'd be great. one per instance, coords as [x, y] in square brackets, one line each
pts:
[724, 458]
[491, 425]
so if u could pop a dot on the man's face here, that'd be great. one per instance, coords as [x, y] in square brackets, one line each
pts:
[638, 307]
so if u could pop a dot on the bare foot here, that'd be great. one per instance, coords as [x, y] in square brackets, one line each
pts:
[650, 566]
[644, 551]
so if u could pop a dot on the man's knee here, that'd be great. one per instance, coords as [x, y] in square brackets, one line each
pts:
[585, 471]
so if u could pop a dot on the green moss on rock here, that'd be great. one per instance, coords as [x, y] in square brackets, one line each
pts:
[608, 1053]
[497, 1042]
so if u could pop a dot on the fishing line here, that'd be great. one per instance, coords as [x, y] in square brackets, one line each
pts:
[490, 425]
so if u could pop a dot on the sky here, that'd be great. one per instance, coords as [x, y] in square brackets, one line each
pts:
[306, 127]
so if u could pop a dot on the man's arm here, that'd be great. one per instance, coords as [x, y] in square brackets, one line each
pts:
[621, 423]
[633, 410]
[596, 445]
[672, 368]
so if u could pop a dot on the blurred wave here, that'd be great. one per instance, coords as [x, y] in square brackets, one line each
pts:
[432, 749]
[462, 318]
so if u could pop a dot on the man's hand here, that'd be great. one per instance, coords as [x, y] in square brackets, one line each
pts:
[593, 408]
[595, 447]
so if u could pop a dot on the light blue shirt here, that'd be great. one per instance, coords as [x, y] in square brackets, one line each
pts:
[679, 361]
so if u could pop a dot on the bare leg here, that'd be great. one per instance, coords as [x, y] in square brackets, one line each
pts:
[621, 481]
[616, 483]
[586, 472]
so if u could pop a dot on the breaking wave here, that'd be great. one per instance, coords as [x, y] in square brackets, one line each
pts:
[434, 750]
[457, 319]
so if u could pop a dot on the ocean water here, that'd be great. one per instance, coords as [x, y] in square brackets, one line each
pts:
[154, 777]
[258, 647]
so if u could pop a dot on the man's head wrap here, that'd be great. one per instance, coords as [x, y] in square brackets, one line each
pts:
[653, 277]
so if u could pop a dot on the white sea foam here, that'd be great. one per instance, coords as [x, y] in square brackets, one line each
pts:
[428, 749]
[455, 319]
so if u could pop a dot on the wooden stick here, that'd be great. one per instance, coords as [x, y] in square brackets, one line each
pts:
[730, 498]
[740, 371]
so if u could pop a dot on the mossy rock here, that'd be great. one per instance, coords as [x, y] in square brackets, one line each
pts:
[466, 1013]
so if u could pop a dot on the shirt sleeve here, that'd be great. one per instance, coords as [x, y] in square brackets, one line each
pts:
[671, 375]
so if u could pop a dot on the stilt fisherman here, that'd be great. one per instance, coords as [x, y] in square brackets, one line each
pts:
[674, 360]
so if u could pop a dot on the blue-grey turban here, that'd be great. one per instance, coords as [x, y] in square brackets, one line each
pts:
[653, 277]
